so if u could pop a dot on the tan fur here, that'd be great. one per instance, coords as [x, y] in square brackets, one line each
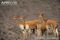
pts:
[53, 24]
[31, 24]
[40, 24]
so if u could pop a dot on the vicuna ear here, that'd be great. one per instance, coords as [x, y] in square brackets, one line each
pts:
[17, 17]
[13, 17]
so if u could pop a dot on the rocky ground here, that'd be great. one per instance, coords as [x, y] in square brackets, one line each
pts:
[29, 9]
